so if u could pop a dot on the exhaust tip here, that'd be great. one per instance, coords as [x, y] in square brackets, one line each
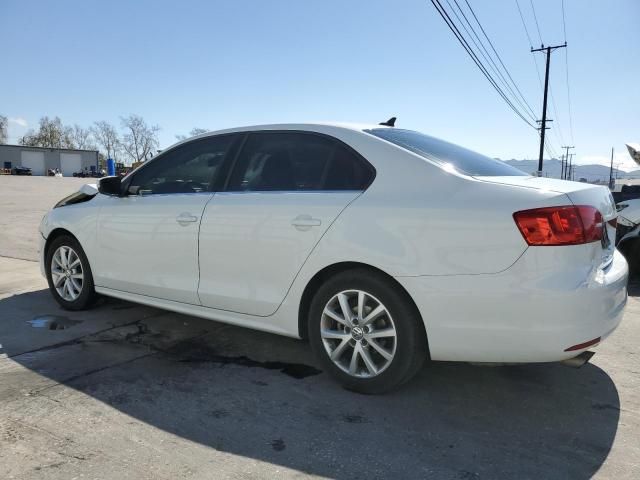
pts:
[578, 361]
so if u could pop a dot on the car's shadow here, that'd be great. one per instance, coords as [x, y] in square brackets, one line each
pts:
[259, 396]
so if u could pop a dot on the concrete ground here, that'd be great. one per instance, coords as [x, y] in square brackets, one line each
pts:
[125, 391]
[23, 202]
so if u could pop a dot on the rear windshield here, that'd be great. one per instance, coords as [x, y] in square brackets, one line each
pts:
[446, 154]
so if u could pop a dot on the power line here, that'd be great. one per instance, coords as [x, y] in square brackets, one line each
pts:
[535, 17]
[487, 56]
[547, 88]
[454, 29]
[566, 63]
[524, 24]
[558, 132]
[526, 30]
[564, 25]
[443, 13]
[498, 57]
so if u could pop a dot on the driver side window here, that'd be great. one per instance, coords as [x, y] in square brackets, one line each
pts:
[189, 168]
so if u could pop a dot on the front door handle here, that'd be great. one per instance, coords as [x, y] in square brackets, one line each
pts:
[305, 222]
[185, 219]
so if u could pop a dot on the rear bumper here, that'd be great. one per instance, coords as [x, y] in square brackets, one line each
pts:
[531, 312]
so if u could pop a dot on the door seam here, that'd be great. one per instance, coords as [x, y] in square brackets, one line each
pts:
[311, 252]
[204, 211]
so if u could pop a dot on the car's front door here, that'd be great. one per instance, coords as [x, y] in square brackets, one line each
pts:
[148, 239]
[283, 194]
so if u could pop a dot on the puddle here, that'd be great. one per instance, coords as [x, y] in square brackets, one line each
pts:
[53, 322]
[195, 352]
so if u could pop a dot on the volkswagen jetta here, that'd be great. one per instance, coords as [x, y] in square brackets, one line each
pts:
[382, 246]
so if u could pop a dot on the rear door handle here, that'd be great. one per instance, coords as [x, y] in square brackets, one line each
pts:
[305, 222]
[185, 219]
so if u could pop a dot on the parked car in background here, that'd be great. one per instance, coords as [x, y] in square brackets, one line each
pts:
[382, 246]
[21, 171]
[623, 192]
[627, 198]
[87, 173]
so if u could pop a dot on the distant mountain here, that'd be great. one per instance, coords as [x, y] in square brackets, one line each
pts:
[592, 173]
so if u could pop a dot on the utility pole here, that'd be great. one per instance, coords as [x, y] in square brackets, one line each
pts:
[543, 126]
[571, 167]
[562, 167]
[567, 150]
[611, 182]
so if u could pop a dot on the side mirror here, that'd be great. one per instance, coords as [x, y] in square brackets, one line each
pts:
[110, 186]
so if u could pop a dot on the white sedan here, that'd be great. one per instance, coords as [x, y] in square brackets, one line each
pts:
[381, 246]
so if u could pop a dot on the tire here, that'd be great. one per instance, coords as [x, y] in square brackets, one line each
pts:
[631, 251]
[407, 350]
[76, 299]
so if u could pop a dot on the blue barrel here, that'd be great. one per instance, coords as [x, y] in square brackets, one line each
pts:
[111, 167]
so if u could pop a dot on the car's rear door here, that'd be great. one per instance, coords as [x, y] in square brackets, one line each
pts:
[285, 190]
[148, 240]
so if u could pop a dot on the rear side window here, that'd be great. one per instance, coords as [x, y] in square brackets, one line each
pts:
[189, 168]
[446, 154]
[283, 161]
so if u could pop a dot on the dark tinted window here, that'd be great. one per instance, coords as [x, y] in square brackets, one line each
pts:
[445, 153]
[189, 168]
[298, 161]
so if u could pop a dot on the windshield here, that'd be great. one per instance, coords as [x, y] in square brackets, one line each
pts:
[446, 154]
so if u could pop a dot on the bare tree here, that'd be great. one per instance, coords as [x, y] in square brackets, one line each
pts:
[51, 133]
[4, 123]
[107, 138]
[194, 131]
[197, 131]
[82, 137]
[139, 139]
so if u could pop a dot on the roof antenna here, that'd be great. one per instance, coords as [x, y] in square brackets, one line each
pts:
[389, 123]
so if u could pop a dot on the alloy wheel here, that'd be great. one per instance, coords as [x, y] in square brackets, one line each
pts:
[67, 273]
[358, 333]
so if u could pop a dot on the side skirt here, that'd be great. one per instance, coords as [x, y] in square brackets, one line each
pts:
[232, 318]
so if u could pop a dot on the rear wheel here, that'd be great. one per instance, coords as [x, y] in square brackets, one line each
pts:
[366, 332]
[69, 274]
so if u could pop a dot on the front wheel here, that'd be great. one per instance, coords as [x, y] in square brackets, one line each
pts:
[69, 274]
[366, 332]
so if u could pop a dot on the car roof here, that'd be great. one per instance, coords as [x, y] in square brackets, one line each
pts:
[310, 127]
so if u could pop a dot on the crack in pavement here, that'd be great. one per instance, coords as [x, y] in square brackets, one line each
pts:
[20, 258]
[77, 340]
[34, 393]
[128, 338]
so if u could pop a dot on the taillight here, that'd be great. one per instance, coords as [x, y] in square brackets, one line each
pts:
[566, 225]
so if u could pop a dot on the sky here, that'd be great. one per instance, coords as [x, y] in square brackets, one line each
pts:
[217, 64]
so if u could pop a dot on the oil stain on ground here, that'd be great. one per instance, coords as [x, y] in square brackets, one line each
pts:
[278, 444]
[197, 352]
[53, 322]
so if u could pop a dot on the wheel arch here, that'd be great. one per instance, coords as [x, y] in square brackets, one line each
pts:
[330, 270]
[54, 234]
